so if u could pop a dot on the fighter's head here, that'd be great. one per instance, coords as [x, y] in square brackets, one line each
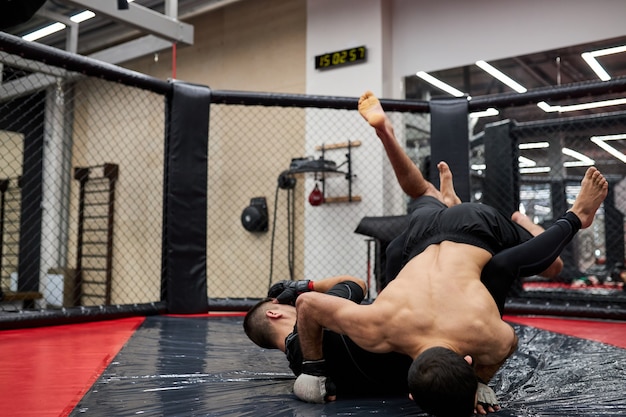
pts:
[443, 383]
[261, 322]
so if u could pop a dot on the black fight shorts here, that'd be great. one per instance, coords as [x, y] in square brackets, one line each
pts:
[432, 222]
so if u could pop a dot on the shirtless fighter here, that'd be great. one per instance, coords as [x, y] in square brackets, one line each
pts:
[437, 311]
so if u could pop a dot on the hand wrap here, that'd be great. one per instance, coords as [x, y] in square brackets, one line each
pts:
[485, 396]
[287, 291]
[312, 385]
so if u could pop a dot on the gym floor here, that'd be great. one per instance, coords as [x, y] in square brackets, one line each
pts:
[205, 366]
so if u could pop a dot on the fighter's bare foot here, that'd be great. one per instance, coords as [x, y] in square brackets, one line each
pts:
[446, 186]
[371, 110]
[525, 221]
[593, 190]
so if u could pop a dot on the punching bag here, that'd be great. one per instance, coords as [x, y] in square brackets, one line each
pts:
[316, 197]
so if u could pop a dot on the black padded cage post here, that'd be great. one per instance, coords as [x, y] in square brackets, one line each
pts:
[502, 173]
[184, 280]
[449, 142]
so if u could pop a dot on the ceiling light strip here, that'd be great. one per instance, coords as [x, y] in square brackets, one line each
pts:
[526, 162]
[534, 170]
[583, 106]
[44, 31]
[534, 145]
[439, 84]
[590, 59]
[57, 26]
[619, 136]
[491, 111]
[595, 66]
[494, 72]
[582, 160]
[600, 141]
[82, 16]
[609, 51]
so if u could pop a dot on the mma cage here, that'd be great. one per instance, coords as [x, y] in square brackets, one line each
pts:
[123, 194]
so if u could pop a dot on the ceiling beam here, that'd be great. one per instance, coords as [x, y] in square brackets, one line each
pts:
[142, 18]
[137, 48]
[71, 35]
[46, 75]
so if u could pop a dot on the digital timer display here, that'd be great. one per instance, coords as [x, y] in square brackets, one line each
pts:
[339, 58]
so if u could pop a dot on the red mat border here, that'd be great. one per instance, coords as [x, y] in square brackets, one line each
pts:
[609, 332]
[46, 371]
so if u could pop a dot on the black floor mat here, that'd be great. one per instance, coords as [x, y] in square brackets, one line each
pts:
[207, 367]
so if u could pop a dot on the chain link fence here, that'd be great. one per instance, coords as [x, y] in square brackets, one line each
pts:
[551, 152]
[333, 153]
[523, 158]
[82, 185]
[81, 177]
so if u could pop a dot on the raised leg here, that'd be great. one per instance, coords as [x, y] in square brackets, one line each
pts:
[407, 173]
[535, 255]
[523, 220]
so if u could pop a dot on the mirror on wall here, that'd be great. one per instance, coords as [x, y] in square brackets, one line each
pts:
[555, 142]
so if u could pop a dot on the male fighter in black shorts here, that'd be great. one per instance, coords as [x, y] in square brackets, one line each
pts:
[349, 365]
[437, 310]
[355, 371]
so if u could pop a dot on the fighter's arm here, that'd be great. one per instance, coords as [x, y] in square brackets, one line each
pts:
[317, 311]
[324, 285]
[486, 400]
[486, 371]
[287, 291]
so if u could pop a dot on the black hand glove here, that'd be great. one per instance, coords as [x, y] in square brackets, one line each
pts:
[287, 291]
[312, 385]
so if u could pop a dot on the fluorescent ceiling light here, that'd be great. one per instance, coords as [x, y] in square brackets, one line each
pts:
[583, 106]
[582, 160]
[601, 142]
[534, 145]
[534, 170]
[45, 31]
[57, 26]
[489, 112]
[526, 162]
[439, 84]
[595, 66]
[528, 166]
[82, 16]
[609, 51]
[590, 59]
[522, 170]
[501, 76]
[545, 106]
